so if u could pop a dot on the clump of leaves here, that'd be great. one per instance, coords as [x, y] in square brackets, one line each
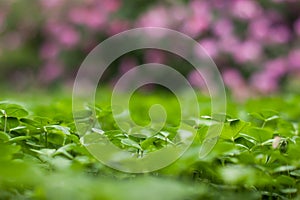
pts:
[256, 156]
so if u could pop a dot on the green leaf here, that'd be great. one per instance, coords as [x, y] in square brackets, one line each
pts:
[295, 173]
[7, 151]
[12, 122]
[13, 110]
[286, 168]
[65, 130]
[19, 138]
[289, 190]
[232, 129]
[140, 132]
[148, 142]
[30, 122]
[259, 134]
[130, 143]
[285, 180]
[83, 114]
[4, 137]
[211, 138]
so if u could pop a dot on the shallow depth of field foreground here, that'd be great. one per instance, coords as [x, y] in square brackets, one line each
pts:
[229, 132]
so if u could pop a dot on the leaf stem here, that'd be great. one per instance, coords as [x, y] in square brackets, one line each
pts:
[5, 123]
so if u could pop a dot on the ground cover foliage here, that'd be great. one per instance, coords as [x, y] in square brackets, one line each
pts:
[257, 155]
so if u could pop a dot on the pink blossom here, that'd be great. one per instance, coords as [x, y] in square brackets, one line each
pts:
[156, 17]
[279, 34]
[77, 15]
[276, 68]
[195, 26]
[294, 59]
[264, 83]
[50, 71]
[50, 4]
[178, 13]
[154, 56]
[126, 64]
[63, 33]
[245, 9]
[68, 36]
[199, 20]
[273, 16]
[297, 27]
[90, 17]
[247, 51]
[236, 83]
[94, 19]
[267, 80]
[232, 78]
[111, 5]
[196, 79]
[210, 46]
[229, 44]
[117, 26]
[259, 28]
[49, 50]
[199, 7]
[276, 142]
[223, 27]
[220, 4]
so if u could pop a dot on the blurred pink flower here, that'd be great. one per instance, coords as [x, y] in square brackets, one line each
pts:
[229, 44]
[268, 79]
[49, 50]
[78, 15]
[297, 27]
[110, 5]
[247, 51]
[50, 71]
[276, 142]
[259, 28]
[236, 83]
[156, 17]
[276, 68]
[127, 64]
[117, 26]
[68, 36]
[294, 59]
[154, 56]
[196, 79]
[63, 33]
[264, 83]
[232, 78]
[245, 9]
[50, 4]
[279, 34]
[211, 47]
[199, 20]
[178, 13]
[223, 27]
[93, 18]
[220, 4]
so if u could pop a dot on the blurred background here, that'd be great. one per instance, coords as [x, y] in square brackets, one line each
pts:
[255, 44]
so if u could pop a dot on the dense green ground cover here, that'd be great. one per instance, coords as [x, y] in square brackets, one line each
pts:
[257, 155]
